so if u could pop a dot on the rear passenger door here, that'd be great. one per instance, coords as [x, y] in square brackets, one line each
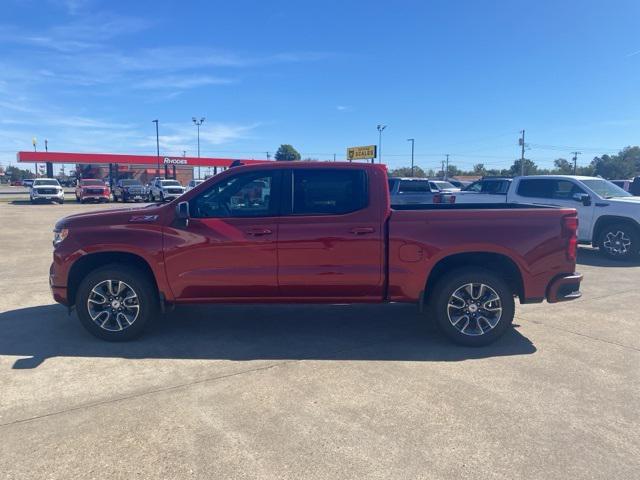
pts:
[412, 192]
[330, 243]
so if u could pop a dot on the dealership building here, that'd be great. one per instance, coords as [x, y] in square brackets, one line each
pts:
[112, 167]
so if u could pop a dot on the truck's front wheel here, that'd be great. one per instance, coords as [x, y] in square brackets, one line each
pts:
[473, 306]
[116, 302]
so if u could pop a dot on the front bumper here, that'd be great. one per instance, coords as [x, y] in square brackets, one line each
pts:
[47, 196]
[564, 288]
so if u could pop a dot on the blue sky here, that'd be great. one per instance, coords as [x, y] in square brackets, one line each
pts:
[461, 77]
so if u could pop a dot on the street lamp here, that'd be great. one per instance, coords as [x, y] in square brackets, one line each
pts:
[157, 149]
[197, 123]
[413, 141]
[380, 129]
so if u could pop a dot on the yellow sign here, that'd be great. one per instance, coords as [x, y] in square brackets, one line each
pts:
[361, 153]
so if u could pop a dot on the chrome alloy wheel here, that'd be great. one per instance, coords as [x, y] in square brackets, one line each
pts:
[113, 305]
[474, 309]
[617, 243]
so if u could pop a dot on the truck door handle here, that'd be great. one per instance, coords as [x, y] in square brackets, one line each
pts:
[259, 232]
[362, 230]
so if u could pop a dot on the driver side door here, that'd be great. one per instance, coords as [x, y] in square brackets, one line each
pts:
[228, 248]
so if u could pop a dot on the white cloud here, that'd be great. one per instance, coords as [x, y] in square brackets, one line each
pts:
[344, 108]
[183, 81]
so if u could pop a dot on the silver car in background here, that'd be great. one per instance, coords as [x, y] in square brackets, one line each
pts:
[415, 191]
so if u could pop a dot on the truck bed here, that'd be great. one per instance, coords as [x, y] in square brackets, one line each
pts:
[468, 206]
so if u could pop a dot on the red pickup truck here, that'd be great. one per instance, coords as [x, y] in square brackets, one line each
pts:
[315, 233]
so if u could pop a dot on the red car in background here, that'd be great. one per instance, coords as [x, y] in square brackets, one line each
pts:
[92, 189]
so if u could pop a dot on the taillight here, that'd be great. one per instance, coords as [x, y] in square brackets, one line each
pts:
[570, 231]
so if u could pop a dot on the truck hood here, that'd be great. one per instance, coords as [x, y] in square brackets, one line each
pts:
[631, 200]
[120, 216]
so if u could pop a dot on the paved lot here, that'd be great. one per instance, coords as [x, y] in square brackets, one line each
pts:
[309, 392]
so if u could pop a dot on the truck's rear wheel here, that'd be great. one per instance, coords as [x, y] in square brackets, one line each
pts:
[116, 302]
[473, 306]
[619, 241]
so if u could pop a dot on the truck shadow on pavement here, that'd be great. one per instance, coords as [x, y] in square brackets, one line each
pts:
[591, 257]
[302, 332]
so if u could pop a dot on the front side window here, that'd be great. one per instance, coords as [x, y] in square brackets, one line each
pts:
[474, 187]
[328, 191]
[548, 188]
[245, 195]
[495, 186]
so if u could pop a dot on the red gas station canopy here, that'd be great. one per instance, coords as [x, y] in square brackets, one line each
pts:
[121, 159]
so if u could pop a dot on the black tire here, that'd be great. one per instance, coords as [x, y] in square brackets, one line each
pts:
[619, 241]
[61, 201]
[138, 281]
[115, 198]
[452, 283]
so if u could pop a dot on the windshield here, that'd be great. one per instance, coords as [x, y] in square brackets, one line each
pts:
[92, 182]
[128, 183]
[170, 183]
[46, 182]
[444, 185]
[605, 188]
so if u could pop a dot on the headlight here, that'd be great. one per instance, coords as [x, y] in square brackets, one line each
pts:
[59, 236]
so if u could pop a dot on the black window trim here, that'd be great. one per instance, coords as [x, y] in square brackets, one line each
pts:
[286, 196]
[276, 195]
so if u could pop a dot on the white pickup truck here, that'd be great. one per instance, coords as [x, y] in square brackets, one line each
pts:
[608, 216]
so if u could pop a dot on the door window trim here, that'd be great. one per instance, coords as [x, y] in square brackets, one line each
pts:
[287, 194]
[275, 194]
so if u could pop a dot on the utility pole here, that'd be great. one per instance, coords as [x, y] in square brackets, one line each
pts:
[413, 141]
[334, 157]
[575, 161]
[522, 154]
[446, 174]
[268, 156]
[442, 168]
[380, 130]
[197, 124]
[157, 149]
[46, 145]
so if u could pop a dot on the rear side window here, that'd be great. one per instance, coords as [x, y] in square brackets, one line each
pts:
[414, 186]
[548, 188]
[328, 192]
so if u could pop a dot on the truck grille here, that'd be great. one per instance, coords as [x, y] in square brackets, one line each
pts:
[46, 191]
[94, 191]
[174, 190]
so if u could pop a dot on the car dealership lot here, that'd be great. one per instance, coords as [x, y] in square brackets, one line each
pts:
[313, 391]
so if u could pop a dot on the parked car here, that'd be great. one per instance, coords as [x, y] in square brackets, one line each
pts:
[443, 186]
[27, 182]
[46, 189]
[415, 191]
[458, 183]
[325, 232]
[92, 189]
[632, 186]
[609, 217]
[129, 189]
[16, 183]
[485, 190]
[162, 190]
[193, 183]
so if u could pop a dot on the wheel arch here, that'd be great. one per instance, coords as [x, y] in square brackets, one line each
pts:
[495, 262]
[605, 220]
[90, 262]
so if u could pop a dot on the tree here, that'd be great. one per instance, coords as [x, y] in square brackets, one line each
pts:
[563, 166]
[287, 153]
[406, 172]
[478, 169]
[530, 168]
[453, 171]
[15, 173]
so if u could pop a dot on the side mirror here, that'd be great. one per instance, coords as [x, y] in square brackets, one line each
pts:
[582, 197]
[182, 212]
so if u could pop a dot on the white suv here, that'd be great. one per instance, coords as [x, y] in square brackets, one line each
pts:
[46, 189]
[162, 190]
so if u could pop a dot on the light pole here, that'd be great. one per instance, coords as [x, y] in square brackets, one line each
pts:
[157, 149]
[380, 129]
[413, 141]
[197, 123]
